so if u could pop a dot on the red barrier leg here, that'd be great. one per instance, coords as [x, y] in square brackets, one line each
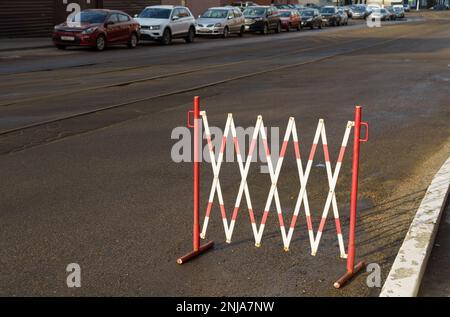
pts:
[351, 268]
[197, 249]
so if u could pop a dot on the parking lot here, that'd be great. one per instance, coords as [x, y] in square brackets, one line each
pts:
[87, 175]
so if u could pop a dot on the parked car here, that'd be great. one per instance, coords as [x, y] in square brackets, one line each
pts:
[373, 6]
[407, 7]
[344, 16]
[391, 13]
[221, 21]
[282, 6]
[360, 12]
[330, 16]
[348, 10]
[299, 6]
[262, 19]
[97, 28]
[166, 22]
[311, 18]
[243, 4]
[313, 6]
[290, 19]
[379, 14]
[399, 12]
[440, 7]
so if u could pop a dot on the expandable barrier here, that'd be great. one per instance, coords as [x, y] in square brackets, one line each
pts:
[302, 198]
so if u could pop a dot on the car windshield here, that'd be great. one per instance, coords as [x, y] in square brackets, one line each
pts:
[327, 10]
[254, 12]
[155, 13]
[359, 9]
[307, 13]
[215, 14]
[90, 17]
[285, 14]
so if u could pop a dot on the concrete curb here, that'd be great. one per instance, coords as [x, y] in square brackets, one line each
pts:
[409, 266]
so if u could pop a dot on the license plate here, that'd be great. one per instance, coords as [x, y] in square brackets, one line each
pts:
[204, 30]
[68, 38]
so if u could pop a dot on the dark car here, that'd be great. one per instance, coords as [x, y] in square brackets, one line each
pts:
[331, 16]
[97, 28]
[262, 19]
[313, 6]
[440, 7]
[290, 19]
[311, 19]
[399, 12]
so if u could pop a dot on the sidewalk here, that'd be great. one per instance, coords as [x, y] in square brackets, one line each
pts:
[17, 44]
[436, 280]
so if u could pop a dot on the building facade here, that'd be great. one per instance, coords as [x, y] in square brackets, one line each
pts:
[33, 18]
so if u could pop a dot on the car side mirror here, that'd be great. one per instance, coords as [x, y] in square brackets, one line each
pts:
[175, 17]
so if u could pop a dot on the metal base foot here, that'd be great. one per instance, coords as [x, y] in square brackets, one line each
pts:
[347, 276]
[195, 253]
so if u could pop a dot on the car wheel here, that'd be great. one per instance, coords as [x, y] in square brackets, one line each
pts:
[288, 29]
[191, 35]
[167, 37]
[100, 43]
[265, 29]
[241, 31]
[320, 25]
[311, 26]
[278, 29]
[133, 42]
[226, 32]
[61, 47]
[299, 27]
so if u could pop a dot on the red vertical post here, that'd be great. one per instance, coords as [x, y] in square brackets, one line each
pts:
[197, 249]
[351, 268]
[354, 195]
[196, 229]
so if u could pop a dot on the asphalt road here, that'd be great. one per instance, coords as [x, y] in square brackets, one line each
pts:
[87, 175]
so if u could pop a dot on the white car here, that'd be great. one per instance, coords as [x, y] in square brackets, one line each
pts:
[166, 22]
[372, 7]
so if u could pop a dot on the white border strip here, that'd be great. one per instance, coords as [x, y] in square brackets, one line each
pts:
[406, 273]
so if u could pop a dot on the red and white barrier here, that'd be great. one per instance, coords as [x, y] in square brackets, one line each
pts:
[274, 173]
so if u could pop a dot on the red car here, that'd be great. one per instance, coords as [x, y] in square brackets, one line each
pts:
[97, 28]
[290, 19]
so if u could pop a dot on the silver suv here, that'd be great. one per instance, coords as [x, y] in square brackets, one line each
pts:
[221, 21]
[166, 22]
